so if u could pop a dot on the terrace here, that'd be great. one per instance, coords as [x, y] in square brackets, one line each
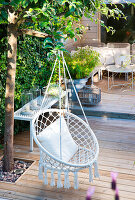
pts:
[112, 120]
[117, 149]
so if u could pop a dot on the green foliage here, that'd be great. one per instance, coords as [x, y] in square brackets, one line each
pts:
[82, 62]
[33, 68]
[125, 29]
[3, 69]
[57, 17]
[32, 63]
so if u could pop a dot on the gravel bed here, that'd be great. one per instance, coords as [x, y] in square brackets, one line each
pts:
[19, 168]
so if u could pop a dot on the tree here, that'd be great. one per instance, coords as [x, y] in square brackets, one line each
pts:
[45, 19]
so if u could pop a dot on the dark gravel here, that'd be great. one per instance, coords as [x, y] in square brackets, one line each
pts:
[19, 168]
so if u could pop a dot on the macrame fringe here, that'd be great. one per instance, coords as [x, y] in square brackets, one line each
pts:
[59, 183]
[96, 174]
[45, 180]
[76, 184]
[66, 181]
[52, 178]
[40, 172]
[90, 174]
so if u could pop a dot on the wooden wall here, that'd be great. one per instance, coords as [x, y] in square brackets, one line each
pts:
[91, 36]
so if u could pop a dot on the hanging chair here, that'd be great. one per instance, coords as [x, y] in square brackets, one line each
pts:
[66, 142]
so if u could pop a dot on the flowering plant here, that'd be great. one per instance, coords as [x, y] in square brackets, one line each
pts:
[91, 190]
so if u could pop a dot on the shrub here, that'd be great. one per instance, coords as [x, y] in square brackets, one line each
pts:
[2, 83]
[82, 62]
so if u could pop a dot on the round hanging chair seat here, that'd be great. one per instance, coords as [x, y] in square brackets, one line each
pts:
[79, 145]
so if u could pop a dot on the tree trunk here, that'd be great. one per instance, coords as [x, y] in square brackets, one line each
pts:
[8, 161]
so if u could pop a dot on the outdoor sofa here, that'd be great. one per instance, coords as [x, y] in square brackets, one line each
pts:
[112, 54]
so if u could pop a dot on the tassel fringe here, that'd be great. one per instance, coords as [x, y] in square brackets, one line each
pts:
[45, 180]
[59, 183]
[66, 181]
[66, 173]
[40, 172]
[90, 174]
[52, 178]
[96, 174]
[76, 184]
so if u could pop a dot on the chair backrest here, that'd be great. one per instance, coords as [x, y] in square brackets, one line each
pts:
[77, 127]
[81, 133]
[133, 53]
[120, 48]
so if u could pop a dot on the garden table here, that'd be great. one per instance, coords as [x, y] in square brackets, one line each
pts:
[120, 69]
[21, 114]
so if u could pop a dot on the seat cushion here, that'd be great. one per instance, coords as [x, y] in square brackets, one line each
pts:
[105, 54]
[122, 59]
[50, 140]
[101, 56]
[108, 55]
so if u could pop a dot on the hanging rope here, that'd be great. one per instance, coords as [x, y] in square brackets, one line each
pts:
[64, 65]
[75, 92]
[65, 81]
[60, 106]
[48, 84]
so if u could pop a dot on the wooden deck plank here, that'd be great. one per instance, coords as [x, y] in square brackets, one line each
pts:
[20, 196]
[117, 153]
[115, 105]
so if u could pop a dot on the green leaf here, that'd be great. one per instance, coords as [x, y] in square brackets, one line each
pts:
[67, 14]
[35, 1]
[48, 47]
[4, 3]
[43, 24]
[72, 9]
[30, 10]
[25, 4]
[48, 40]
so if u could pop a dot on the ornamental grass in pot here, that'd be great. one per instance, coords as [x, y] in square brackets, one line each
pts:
[81, 63]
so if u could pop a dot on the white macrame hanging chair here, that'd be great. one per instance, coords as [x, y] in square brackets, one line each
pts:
[66, 142]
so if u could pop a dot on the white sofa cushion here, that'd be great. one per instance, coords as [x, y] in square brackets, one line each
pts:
[121, 51]
[50, 140]
[101, 57]
[122, 59]
[106, 55]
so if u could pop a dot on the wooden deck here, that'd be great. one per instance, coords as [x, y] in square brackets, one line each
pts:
[117, 153]
[111, 105]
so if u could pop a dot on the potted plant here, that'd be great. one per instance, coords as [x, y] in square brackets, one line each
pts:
[80, 64]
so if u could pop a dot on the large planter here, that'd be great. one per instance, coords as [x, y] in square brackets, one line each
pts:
[79, 84]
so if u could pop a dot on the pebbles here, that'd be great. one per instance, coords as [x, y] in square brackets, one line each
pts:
[19, 168]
